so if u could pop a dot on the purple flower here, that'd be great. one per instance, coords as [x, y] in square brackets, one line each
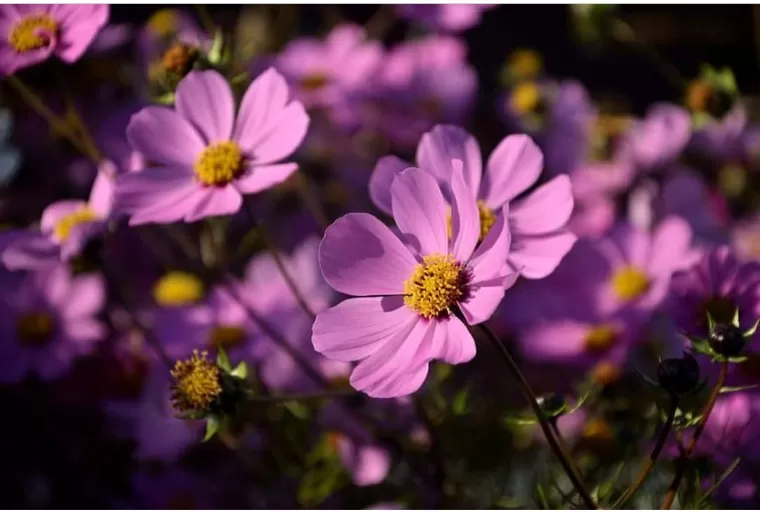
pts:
[449, 17]
[717, 284]
[731, 428]
[206, 157]
[65, 228]
[660, 138]
[721, 139]
[49, 321]
[408, 287]
[537, 222]
[323, 74]
[31, 33]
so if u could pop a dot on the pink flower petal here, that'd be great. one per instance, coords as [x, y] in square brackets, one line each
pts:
[420, 211]
[103, 189]
[535, 257]
[205, 99]
[165, 137]
[444, 143]
[359, 255]
[458, 344]
[215, 202]
[284, 137]
[488, 260]
[671, 248]
[555, 341]
[155, 194]
[79, 27]
[380, 181]
[465, 218]
[30, 251]
[357, 328]
[484, 298]
[262, 177]
[513, 166]
[546, 209]
[85, 297]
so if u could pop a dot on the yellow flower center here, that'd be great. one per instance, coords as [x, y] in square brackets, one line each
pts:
[179, 59]
[178, 289]
[525, 98]
[435, 286]
[226, 336]
[195, 383]
[163, 23]
[314, 81]
[64, 226]
[219, 164]
[32, 32]
[629, 283]
[525, 64]
[606, 373]
[600, 338]
[35, 328]
[487, 218]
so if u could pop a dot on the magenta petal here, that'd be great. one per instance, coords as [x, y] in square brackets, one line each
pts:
[420, 211]
[165, 137]
[458, 344]
[444, 143]
[284, 137]
[80, 29]
[204, 98]
[57, 211]
[513, 166]
[546, 209]
[369, 465]
[483, 300]
[488, 260]
[85, 297]
[555, 341]
[535, 257]
[103, 189]
[671, 247]
[215, 202]
[155, 194]
[380, 181]
[359, 255]
[465, 218]
[29, 251]
[262, 177]
[357, 328]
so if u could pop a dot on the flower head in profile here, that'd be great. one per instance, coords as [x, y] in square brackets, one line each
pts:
[410, 288]
[32, 33]
[50, 321]
[536, 222]
[207, 157]
[446, 17]
[65, 227]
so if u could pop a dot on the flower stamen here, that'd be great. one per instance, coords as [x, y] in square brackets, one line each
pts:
[435, 286]
[629, 283]
[64, 226]
[32, 32]
[195, 383]
[219, 164]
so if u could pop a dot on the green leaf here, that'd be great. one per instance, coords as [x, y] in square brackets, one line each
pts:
[213, 423]
[733, 389]
[520, 420]
[240, 371]
[541, 497]
[223, 360]
[297, 409]
[164, 99]
[752, 330]
[459, 405]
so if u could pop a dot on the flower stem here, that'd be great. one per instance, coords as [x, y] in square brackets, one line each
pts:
[311, 201]
[556, 443]
[656, 451]
[682, 460]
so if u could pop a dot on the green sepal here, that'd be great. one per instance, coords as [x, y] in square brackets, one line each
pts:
[217, 52]
[733, 389]
[710, 322]
[297, 409]
[701, 345]
[717, 358]
[213, 424]
[520, 421]
[192, 415]
[735, 320]
[240, 371]
[164, 99]
[223, 360]
[752, 330]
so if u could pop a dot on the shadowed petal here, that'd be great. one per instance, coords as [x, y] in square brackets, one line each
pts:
[444, 143]
[262, 177]
[513, 166]
[165, 137]
[535, 257]
[155, 195]
[420, 211]
[215, 201]
[204, 98]
[671, 247]
[465, 218]
[484, 298]
[488, 260]
[546, 209]
[380, 181]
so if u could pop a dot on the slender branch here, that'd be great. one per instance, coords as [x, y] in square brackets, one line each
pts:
[557, 444]
[656, 451]
[681, 469]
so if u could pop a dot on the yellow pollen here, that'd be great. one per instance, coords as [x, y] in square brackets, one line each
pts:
[195, 383]
[163, 23]
[178, 289]
[179, 59]
[629, 283]
[698, 95]
[32, 32]
[525, 64]
[35, 328]
[606, 373]
[64, 226]
[600, 338]
[314, 81]
[219, 164]
[226, 336]
[435, 286]
[525, 98]
[487, 218]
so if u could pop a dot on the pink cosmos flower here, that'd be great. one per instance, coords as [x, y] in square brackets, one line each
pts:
[325, 73]
[537, 222]
[29, 34]
[658, 139]
[49, 321]
[207, 158]
[408, 287]
[65, 228]
[448, 17]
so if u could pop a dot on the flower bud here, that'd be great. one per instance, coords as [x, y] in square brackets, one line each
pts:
[678, 376]
[554, 405]
[726, 339]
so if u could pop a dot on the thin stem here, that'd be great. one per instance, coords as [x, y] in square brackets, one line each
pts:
[311, 201]
[556, 444]
[656, 451]
[681, 463]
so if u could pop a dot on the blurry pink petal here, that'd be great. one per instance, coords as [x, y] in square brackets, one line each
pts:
[671, 248]
[385, 170]
[215, 202]
[284, 137]
[262, 177]
[359, 255]
[546, 209]
[536, 257]
[513, 166]
[103, 189]
[465, 218]
[156, 194]
[57, 211]
[369, 464]
[165, 137]
[420, 211]
[79, 27]
[444, 143]
[29, 251]
[85, 298]
[357, 328]
[555, 341]
[204, 98]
